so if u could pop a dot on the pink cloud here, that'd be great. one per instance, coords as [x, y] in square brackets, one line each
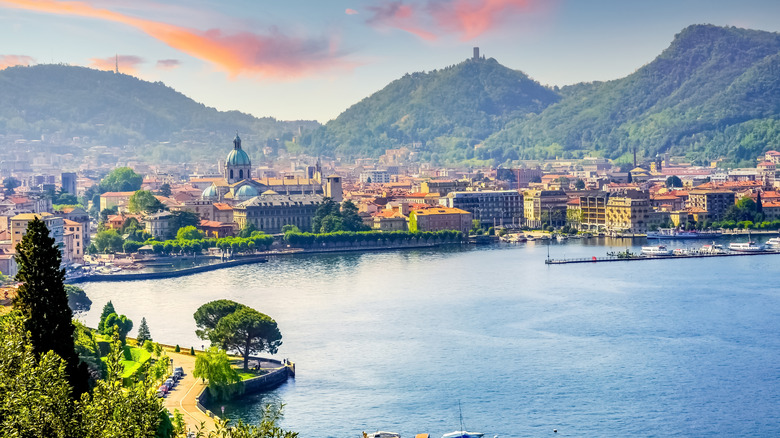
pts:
[168, 64]
[351, 12]
[431, 19]
[127, 63]
[265, 55]
[12, 60]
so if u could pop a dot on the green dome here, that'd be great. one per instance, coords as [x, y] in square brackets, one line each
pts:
[237, 157]
[246, 192]
[209, 193]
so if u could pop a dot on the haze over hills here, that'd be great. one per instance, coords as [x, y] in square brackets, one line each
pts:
[715, 91]
[118, 109]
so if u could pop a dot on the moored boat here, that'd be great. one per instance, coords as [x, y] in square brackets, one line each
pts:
[773, 242]
[381, 434]
[655, 250]
[713, 248]
[463, 434]
[750, 246]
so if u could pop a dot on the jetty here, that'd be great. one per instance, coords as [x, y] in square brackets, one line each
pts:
[630, 257]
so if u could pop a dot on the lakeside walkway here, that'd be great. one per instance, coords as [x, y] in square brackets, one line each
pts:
[185, 396]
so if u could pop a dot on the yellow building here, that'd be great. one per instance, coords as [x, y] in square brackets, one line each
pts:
[53, 223]
[110, 199]
[440, 218]
[628, 214]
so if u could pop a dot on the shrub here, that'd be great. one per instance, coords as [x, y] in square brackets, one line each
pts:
[192, 351]
[177, 349]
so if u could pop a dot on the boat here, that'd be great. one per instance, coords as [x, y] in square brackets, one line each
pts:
[680, 251]
[561, 237]
[673, 233]
[773, 242]
[750, 246]
[713, 248]
[463, 434]
[655, 250]
[381, 434]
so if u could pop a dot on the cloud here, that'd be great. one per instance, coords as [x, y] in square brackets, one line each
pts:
[126, 63]
[269, 55]
[12, 60]
[168, 64]
[398, 15]
[351, 12]
[466, 19]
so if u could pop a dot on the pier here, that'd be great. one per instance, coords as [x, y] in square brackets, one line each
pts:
[623, 257]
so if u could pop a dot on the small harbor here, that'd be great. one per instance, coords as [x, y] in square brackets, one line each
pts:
[627, 256]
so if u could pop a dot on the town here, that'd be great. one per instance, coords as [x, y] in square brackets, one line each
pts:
[101, 207]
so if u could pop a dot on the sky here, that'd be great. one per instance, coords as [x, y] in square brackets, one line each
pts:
[312, 59]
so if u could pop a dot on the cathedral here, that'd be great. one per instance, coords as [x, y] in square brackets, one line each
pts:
[237, 184]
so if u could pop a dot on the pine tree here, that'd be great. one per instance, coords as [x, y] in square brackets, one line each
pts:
[107, 310]
[42, 301]
[143, 332]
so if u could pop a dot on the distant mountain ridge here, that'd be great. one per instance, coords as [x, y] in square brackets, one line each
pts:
[119, 109]
[715, 91]
[452, 108]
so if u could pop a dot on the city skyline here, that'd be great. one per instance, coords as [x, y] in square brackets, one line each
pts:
[311, 60]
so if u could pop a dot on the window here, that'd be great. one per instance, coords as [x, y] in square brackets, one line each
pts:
[241, 174]
[231, 173]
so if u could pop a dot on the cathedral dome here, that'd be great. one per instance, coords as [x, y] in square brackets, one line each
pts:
[237, 157]
[246, 192]
[209, 193]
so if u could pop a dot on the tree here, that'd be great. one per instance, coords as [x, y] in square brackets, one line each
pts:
[247, 231]
[214, 365]
[108, 241]
[143, 333]
[165, 190]
[181, 219]
[144, 201]
[350, 219]
[208, 315]
[189, 233]
[78, 301]
[120, 323]
[10, 184]
[121, 179]
[108, 309]
[579, 184]
[247, 331]
[673, 181]
[43, 303]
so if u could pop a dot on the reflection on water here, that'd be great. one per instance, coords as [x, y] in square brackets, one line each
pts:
[393, 340]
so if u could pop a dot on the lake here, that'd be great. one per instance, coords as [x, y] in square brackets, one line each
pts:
[395, 340]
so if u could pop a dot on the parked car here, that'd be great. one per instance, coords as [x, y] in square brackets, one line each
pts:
[179, 371]
[170, 383]
[163, 388]
[160, 393]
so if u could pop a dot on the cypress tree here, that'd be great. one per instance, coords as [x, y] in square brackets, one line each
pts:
[107, 310]
[42, 301]
[143, 332]
[759, 205]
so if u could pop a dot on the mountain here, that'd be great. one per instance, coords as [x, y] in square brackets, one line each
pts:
[715, 91]
[447, 110]
[62, 101]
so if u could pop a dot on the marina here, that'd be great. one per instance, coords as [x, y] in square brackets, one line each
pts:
[627, 256]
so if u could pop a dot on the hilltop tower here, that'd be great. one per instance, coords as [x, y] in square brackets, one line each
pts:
[476, 54]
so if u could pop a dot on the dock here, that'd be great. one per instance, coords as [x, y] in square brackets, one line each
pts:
[637, 257]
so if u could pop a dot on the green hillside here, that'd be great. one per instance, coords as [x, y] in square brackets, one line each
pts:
[118, 109]
[714, 92]
[447, 110]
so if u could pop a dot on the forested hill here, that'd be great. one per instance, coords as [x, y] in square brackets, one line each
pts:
[448, 110]
[715, 91]
[116, 109]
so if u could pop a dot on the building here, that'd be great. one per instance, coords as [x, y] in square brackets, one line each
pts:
[715, 202]
[159, 225]
[628, 213]
[440, 218]
[69, 182]
[333, 188]
[545, 206]
[491, 207]
[519, 178]
[374, 177]
[74, 241]
[77, 214]
[389, 220]
[55, 225]
[593, 211]
[271, 211]
[110, 199]
[443, 187]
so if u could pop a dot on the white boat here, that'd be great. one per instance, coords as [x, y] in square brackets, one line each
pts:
[561, 237]
[680, 251]
[713, 248]
[773, 242]
[463, 434]
[655, 250]
[381, 434]
[750, 246]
